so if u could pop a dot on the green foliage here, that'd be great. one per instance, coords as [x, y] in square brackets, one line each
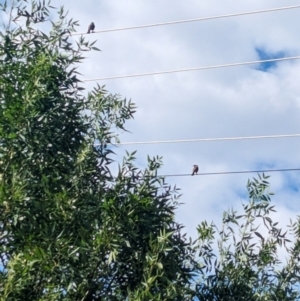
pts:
[247, 266]
[69, 230]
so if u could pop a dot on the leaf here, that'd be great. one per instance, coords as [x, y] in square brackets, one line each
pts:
[259, 235]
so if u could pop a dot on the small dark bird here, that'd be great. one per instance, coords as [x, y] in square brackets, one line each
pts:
[91, 27]
[195, 170]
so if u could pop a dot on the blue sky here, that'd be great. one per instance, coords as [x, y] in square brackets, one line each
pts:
[229, 102]
[264, 55]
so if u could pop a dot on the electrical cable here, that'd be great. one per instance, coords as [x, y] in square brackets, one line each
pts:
[204, 68]
[207, 139]
[230, 172]
[193, 69]
[192, 20]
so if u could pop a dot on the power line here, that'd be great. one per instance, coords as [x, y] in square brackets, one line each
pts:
[208, 139]
[194, 69]
[192, 20]
[230, 172]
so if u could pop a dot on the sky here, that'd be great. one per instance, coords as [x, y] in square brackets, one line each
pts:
[251, 100]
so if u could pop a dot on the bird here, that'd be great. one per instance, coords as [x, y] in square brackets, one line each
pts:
[91, 27]
[195, 169]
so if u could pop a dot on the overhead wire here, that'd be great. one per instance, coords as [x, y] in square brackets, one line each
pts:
[196, 68]
[208, 139]
[193, 69]
[204, 68]
[230, 172]
[193, 20]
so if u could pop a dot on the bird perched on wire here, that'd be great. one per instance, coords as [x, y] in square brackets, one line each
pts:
[91, 27]
[195, 170]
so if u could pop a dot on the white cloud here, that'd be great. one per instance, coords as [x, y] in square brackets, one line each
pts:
[236, 101]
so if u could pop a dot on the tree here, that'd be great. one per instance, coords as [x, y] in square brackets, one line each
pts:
[248, 266]
[69, 229]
